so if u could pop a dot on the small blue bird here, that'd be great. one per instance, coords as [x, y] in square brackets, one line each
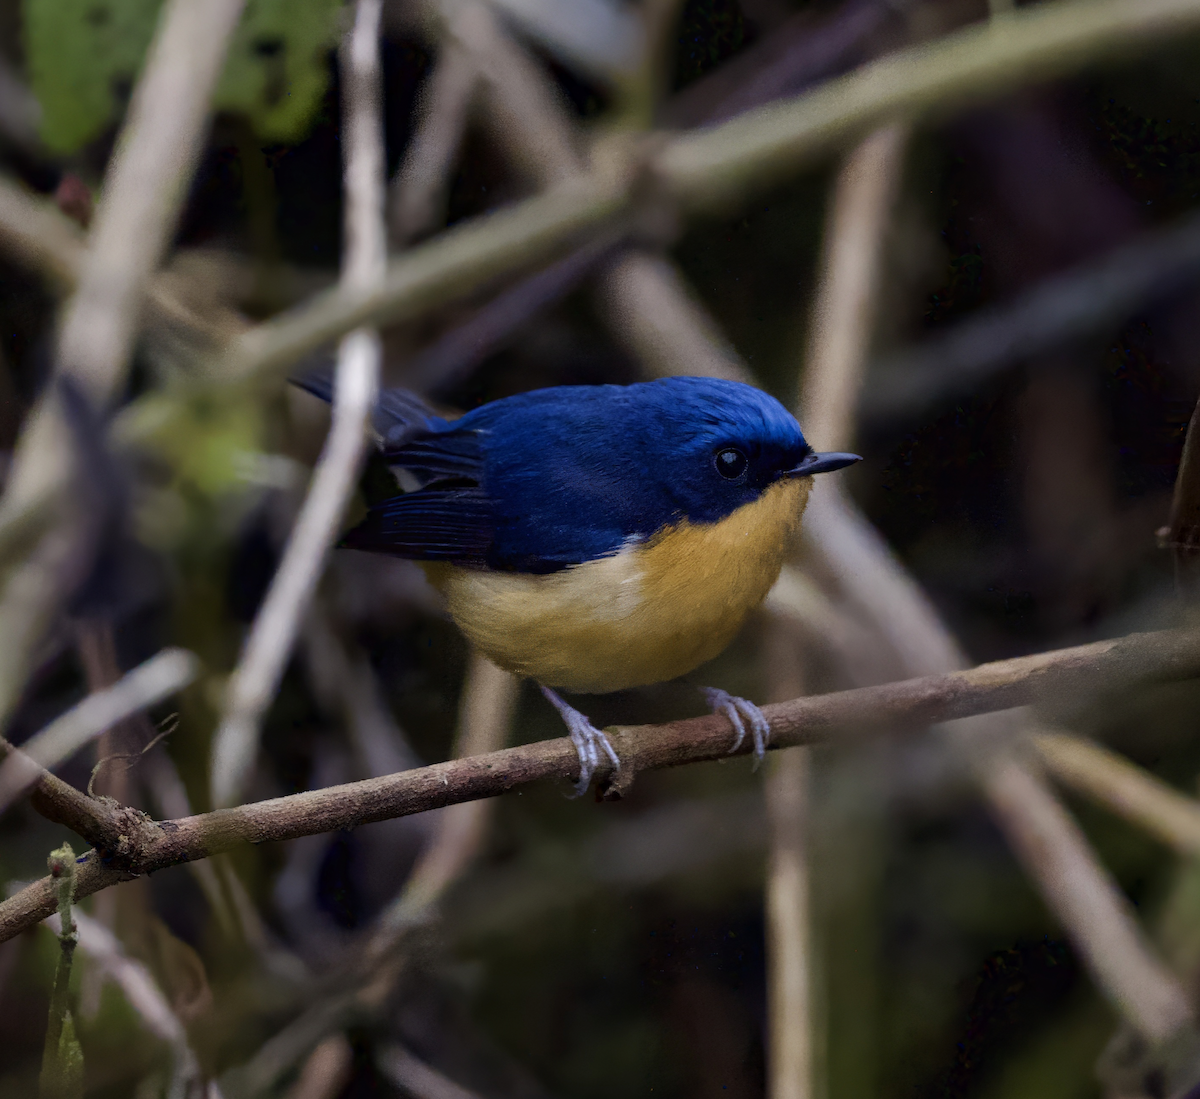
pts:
[594, 538]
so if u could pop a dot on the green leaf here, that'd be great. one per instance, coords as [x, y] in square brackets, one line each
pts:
[278, 69]
[84, 55]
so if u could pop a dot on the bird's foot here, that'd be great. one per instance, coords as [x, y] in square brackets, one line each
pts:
[588, 740]
[741, 712]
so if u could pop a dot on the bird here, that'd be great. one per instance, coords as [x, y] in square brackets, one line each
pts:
[594, 538]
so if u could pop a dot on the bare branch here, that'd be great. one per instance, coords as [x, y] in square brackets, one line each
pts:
[1087, 901]
[419, 186]
[327, 1070]
[844, 309]
[1103, 666]
[1122, 787]
[416, 1078]
[657, 316]
[158, 678]
[38, 235]
[489, 699]
[256, 678]
[1058, 309]
[715, 166]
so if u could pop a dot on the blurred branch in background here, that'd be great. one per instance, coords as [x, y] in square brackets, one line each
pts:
[1057, 310]
[418, 189]
[1121, 787]
[141, 992]
[611, 209]
[1051, 848]
[159, 677]
[326, 1071]
[1182, 533]
[256, 679]
[489, 699]
[20, 112]
[805, 48]
[843, 315]
[371, 968]
[416, 1077]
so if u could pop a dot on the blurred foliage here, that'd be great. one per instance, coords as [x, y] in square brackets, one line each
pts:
[83, 56]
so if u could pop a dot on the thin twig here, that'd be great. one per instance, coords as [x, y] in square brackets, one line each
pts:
[416, 1078]
[1089, 904]
[489, 699]
[141, 991]
[256, 678]
[159, 677]
[37, 234]
[418, 190]
[326, 1071]
[1182, 533]
[1122, 787]
[792, 1033]
[1089, 670]
[97, 822]
[844, 309]
[1088, 298]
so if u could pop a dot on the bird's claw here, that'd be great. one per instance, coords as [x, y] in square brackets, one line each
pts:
[740, 712]
[588, 740]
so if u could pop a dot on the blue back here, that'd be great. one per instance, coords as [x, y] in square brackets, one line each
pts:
[555, 477]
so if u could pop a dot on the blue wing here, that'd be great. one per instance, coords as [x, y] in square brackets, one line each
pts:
[398, 414]
[448, 518]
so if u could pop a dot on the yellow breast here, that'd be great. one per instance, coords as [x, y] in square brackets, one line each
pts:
[647, 614]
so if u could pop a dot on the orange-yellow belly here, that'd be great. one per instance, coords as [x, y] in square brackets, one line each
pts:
[647, 614]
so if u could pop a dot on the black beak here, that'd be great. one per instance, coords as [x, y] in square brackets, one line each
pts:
[822, 463]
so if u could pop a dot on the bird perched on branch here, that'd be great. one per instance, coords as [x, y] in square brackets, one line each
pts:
[594, 538]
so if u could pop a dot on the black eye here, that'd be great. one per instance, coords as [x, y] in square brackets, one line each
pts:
[730, 462]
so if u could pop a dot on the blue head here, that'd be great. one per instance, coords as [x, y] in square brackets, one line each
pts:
[576, 472]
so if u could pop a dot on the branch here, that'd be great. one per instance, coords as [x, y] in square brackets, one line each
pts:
[845, 305]
[1082, 894]
[141, 991]
[1119, 664]
[1055, 311]
[734, 159]
[418, 190]
[158, 678]
[256, 678]
[38, 235]
[1123, 788]
[1182, 533]
[415, 1077]
[715, 166]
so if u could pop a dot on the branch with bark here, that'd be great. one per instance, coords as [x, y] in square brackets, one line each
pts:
[149, 845]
